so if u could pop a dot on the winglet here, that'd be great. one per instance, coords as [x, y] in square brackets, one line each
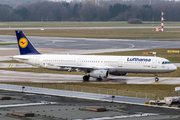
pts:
[25, 46]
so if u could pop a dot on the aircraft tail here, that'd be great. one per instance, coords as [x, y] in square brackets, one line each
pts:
[25, 46]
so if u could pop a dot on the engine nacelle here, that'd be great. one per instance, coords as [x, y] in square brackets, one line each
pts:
[99, 73]
[118, 74]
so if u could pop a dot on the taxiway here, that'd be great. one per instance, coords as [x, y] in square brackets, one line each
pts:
[13, 76]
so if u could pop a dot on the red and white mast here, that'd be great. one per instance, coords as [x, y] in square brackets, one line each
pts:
[162, 20]
[162, 24]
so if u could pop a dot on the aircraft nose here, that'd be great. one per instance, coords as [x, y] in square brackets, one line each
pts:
[173, 68]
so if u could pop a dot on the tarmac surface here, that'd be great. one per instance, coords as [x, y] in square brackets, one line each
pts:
[48, 107]
[13, 76]
[90, 45]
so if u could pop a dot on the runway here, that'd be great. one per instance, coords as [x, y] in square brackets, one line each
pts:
[90, 45]
[13, 76]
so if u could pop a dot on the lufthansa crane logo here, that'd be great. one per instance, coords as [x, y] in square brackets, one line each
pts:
[23, 42]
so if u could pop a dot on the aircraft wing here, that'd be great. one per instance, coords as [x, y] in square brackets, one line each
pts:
[75, 68]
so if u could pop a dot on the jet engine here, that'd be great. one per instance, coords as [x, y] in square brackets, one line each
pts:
[118, 74]
[99, 73]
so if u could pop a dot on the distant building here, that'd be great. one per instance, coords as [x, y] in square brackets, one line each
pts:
[141, 2]
[96, 2]
[101, 2]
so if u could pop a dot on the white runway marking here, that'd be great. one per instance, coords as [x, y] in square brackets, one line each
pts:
[27, 104]
[131, 45]
[122, 116]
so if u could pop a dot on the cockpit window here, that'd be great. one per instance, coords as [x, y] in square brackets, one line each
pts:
[166, 62]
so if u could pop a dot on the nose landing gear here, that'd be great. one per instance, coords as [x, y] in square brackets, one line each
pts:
[156, 78]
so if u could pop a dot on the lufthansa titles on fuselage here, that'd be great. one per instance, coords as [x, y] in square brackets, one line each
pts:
[139, 59]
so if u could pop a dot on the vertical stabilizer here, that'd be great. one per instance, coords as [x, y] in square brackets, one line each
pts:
[25, 46]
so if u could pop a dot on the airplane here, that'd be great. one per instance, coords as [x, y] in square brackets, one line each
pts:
[96, 66]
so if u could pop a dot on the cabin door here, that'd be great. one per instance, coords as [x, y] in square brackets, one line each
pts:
[120, 61]
[154, 63]
[37, 60]
[79, 62]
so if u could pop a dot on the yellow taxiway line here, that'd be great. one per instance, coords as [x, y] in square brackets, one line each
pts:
[163, 80]
[10, 65]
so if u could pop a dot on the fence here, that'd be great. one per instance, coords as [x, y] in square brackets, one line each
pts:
[106, 91]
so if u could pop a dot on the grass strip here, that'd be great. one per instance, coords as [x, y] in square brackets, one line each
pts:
[7, 43]
[84, 24]
[10, 61]
[102, 33]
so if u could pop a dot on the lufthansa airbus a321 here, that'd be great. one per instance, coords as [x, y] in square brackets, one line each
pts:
[95, 66]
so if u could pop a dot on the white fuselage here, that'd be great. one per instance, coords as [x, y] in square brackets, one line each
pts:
[122, 64]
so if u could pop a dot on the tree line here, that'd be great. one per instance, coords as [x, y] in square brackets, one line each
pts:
[62, 11]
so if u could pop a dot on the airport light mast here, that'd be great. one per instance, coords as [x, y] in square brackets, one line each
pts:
[162, 23]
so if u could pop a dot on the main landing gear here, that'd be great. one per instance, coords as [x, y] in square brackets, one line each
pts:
[85, 78]
[99, 79]
[156, 78]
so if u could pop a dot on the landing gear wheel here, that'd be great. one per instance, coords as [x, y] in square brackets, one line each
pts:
[85, 78]
[99, 79]
[156, 79]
